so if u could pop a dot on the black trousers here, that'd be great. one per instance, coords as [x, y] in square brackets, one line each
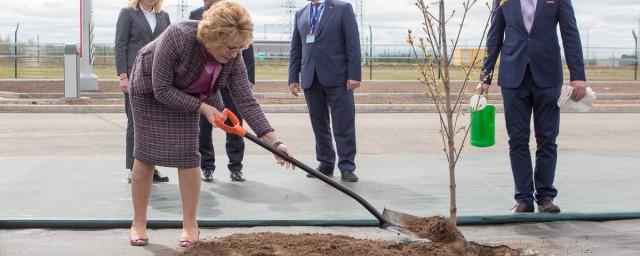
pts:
[234, 144]
[129, 137]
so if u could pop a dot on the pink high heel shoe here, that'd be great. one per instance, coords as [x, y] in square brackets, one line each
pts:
[184, 241]
[138, 241]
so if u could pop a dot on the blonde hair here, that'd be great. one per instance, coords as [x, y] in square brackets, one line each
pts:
[156, 8]
[223, 20]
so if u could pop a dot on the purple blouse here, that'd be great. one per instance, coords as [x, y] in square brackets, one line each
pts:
[208, 77]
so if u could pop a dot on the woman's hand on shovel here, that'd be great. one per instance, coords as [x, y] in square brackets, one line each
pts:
[282, 147]
[210, 113]
[273, 140]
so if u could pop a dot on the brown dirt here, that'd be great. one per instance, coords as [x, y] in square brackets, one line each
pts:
[446, 240]
[436, 228]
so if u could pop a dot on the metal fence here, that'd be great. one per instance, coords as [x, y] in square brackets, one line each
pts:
[31, 59]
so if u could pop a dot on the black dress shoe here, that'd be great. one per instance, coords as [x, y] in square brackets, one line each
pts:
[207, 175]
[326, 172]
[236, 176]
[349, 177]
[159, 178]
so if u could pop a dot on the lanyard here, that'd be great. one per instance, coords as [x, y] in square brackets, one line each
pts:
[315, 16]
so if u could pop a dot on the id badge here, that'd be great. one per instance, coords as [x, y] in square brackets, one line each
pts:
[311, 38]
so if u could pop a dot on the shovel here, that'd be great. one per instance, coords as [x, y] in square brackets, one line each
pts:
[389, 218]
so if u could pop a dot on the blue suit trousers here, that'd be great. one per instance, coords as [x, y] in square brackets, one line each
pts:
[332, 107]
[519, 103]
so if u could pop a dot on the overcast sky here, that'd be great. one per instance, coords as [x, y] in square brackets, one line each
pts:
[602, 23]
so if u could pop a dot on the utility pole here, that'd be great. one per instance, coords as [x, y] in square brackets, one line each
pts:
[587, 64]
[370, 54]
[636, 50]
[182, 9]
[359, 11]
[290, 14]
[635, 53]
[38, 46]
[15, 51]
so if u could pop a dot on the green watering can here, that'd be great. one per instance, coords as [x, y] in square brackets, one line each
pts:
[483, 122]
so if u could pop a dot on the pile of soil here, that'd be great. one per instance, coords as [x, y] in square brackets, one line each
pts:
[436, 228]
[445, 239]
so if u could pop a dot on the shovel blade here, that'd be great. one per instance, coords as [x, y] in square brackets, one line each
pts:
[400, 223]
[398, 218]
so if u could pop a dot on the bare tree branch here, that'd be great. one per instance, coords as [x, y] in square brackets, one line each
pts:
[423, 67]
[464, 85]
[467, 6]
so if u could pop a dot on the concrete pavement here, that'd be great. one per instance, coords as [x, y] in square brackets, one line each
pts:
[570, 238]
[70, 166]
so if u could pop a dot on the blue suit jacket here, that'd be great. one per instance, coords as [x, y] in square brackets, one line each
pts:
[540, 48]
[335, 55]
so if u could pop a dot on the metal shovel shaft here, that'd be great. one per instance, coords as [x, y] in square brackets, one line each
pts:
[383, 222]
[237, 129]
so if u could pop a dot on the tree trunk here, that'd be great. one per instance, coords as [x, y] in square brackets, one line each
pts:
[444, 59]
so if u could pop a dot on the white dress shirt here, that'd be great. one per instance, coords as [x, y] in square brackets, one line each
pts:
[151, 18]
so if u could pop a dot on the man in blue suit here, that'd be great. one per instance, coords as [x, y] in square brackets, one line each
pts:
[523, 32]
[325, 62]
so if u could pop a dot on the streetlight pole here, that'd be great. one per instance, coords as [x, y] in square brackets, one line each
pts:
[370, 54]
[635, 53]
[38, 46]
[588, 61]
[15, 52]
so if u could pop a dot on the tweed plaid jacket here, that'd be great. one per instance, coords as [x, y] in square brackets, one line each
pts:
[172, 62]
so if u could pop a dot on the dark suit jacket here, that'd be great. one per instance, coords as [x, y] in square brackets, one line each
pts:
[539, 48]
[197, 13]
[335, 55]
[132, 33]
[247, 54]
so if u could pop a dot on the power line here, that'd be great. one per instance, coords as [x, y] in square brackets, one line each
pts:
[182, 9]
[359, 10]
[290, 8]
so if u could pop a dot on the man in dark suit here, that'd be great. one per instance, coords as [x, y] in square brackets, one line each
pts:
[523, 32]
[234, 144]
[325, 62]
[137, 25]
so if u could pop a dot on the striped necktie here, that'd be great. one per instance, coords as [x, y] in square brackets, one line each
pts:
[528, 12]
[315, 17]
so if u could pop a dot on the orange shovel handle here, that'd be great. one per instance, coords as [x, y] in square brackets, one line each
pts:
[235, 127]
